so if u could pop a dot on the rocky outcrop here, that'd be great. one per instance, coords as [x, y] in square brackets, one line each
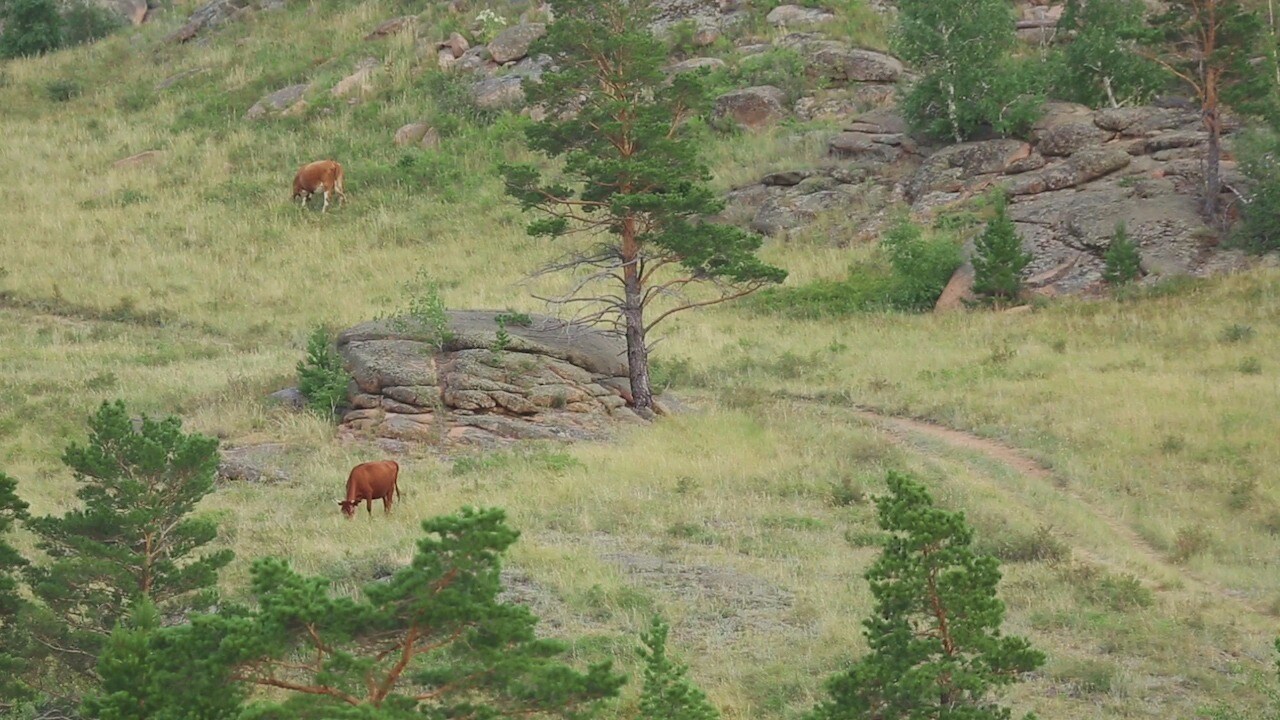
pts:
[359, 83]
[839, 62]
[797, 16]
[207, 17]
[549, 381]
[133, 12]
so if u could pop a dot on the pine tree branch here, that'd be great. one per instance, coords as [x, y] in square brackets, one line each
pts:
[753, 287]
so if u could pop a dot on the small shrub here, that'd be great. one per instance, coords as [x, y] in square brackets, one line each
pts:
[63, 89]
[1236, 333]
[1088, 676]
[1123, 263]
[666, 373]
[511, 317]
[1243, 493]
[1250, 366]
[1190, 542]
[1119, 593]
[1039, 546]
[1172, 444]
[847, 492]
[427, 310]
[321, 377]
[488, 24]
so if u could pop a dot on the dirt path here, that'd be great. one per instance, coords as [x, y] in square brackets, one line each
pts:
[903, 429]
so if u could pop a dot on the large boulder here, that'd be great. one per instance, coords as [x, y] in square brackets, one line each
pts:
[513, 43]
[394, 26]
[548, 380]
[753, 107]
[206, 17]
[1141, 121]
[499, 92]
[841, 63]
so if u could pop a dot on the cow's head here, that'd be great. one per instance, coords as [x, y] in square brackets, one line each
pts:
[348, 507]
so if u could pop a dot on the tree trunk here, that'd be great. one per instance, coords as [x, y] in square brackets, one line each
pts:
[637, 351]
[1212, 166]
[633, 313]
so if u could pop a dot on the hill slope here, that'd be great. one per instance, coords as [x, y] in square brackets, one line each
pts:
[1130, 493]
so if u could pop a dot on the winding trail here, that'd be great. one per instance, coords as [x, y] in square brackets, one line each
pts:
[907, 431]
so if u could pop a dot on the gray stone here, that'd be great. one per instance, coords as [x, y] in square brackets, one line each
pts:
[502, 92]
[1080, 168]
[411, 134]
[785, 178]
[456, 45]
[841, 63]
[291, 398]
[278, 101]
[513, 43]
[1140, 121]
[796, 15]
[420, 426]
[359, 82]
[695, 64]
[958, 167]
[375, 364]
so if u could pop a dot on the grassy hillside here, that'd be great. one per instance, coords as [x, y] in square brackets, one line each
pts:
[1132, 494]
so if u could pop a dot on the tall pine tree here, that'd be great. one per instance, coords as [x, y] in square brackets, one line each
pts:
[630, 179]
[937, 652]
[133, 536]
[1216, 49]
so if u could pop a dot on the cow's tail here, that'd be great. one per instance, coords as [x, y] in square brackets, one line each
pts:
[399, 494]
[337, 182]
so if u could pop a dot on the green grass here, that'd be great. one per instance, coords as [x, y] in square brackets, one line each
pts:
[189, 286]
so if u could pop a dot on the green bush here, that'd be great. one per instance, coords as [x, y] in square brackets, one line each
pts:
[63, 89]
[969, 80]
[321, 377]
[1123, 263]
[1259, 227]
[31, 27]
[1100, 64]
[921, 266]
[85, 22]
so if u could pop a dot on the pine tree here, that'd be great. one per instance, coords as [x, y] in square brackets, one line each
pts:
[15, 647]
[668, 693]
[1211, 47]
[631, 179]
[1100, 63]
[433, 640]
[1123, 263]
[937, 652]
[321, 377]
[132, 538]
[998, 257]
[31, 27]
[969, 78]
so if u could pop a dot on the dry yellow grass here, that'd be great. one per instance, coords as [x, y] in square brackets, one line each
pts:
[188, 286]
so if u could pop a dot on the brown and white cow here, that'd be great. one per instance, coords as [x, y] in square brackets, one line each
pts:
[319, 176]
[368, 482]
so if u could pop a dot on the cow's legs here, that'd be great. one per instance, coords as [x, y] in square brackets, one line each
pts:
[386, 503]
[326, 201]
[368, 506]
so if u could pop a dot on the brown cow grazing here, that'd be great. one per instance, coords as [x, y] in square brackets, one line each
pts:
[321, 175]
[368, 482]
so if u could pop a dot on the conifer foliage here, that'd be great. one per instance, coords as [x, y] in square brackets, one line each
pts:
[999, 259]
[132, 538]
[668, 693]
[433, 640]
[937, 652]
[631, 179]
[14, 641]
